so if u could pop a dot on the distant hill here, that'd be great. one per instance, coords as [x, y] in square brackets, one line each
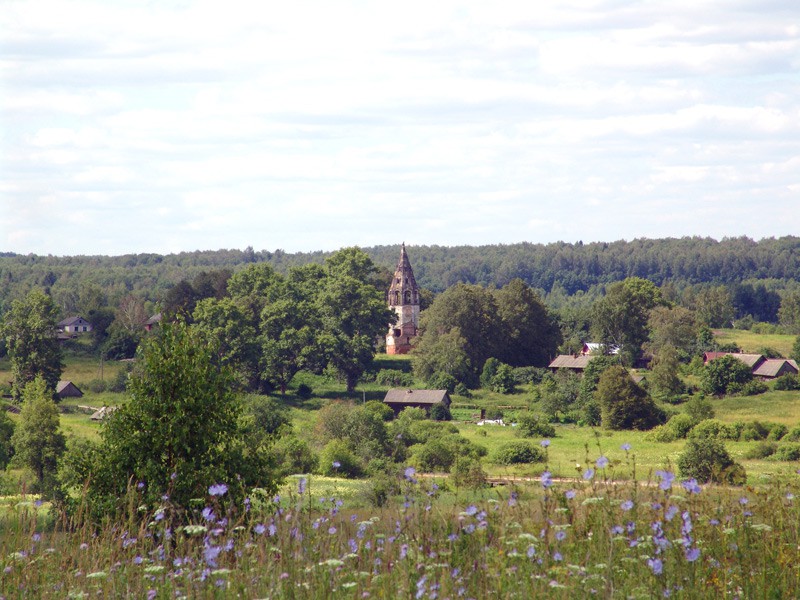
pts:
[564, 266]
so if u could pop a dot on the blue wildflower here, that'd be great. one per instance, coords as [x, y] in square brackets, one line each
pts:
[626, 447]
[301, 486]
[547, 479]
[545, 443]
[588, 474]
[627, 505]
[218, 489]
[259, 529]
[691, 486]
[693, 554]
[655, 565]
[569, 494]
[602, 462]
[208, 514]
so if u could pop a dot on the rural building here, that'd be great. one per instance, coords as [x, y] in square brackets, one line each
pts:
[569, 361]
[67, 389]
[403, 299]
[75, 325]
[751, 360]
[399, 398]
[597, 348]
[771, 368]
[152, 322]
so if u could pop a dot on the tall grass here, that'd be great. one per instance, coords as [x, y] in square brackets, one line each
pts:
[555, 539]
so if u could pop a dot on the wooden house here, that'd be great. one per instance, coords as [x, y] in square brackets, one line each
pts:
[399, 398]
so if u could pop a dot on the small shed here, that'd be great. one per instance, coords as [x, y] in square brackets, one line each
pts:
[399, 398]
[67, 389]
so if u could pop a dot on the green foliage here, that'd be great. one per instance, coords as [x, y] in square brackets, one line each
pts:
[620, 318]
[37, 439]
[725, 372]
[795, 354]
[434, 455]
[680, 425]
[529, 375]
[777, 431]
[518, 452]
[497, 376]
[268, 417]
[699, 408]
[754, 431]
[591, 376]
[754, 387]
[793, 435]
[672, 327]
[440, 412]
[394, 378]
[707, 460]
[304, 391]
[293, 455]
[761, 450]
[443, 381]
[443, 353]
[558, 394]
[462, 390]
[787, 452]
[787, 382]
[624, 404]
[29, 330]
[180, 431]
[6, 433]
[120, 344]
[529, 425]
[384, 412]
[467, 472]
[712, 428]
[338, 460]
[664, 382]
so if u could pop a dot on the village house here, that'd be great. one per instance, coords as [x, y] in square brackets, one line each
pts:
[152, 322]
[399, 398]
[761, 367]
[576, 364]
[67, 389]
[74, 325]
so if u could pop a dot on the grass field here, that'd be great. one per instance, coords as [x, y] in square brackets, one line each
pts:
[753, 342]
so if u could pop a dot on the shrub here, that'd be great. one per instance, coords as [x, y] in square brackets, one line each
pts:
[777, 432]
[494, 414]
[120, 382]
[699, 408]
[529, 375]
[519, 452]
[762, 450]
[707, 460]
[793, 435]
[434, 455]
[787, 452]
[439, 412]
[394, 378]
[712, 429]
[462, 390]
[661, 433]
[753, 387]
[380, 488]
[97, 386]
[304, 391]
[337, 460]
[788, 382]
[624, 404]
[384, 412]
[530, 425]
[725, 375]
[754, 431]
[680, 425]
[294, 456]
[468, 473]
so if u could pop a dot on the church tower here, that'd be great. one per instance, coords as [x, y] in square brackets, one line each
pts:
[403, 297]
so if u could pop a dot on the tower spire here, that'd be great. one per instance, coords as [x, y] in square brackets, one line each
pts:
[403, 298]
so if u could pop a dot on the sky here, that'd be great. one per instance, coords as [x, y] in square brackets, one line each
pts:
[168, 126]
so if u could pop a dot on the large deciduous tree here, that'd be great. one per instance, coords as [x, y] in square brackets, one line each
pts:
[724, 373]
[353, 314]
[620, 317]
[30, 333]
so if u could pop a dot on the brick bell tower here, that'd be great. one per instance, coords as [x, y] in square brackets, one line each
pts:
[403, 298]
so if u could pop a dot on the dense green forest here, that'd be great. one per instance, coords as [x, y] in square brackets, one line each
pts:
[560, 269]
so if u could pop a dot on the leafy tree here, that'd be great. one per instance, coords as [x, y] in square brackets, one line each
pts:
[30, 332]
[37, 440]
[707, 460]
[353, 314]
[714, 307]
[445, 353]
[674, 327]
[6, 432]
[181, 430]
[120, 343]
[722, 373]
[558, 394]
[532, 334]
[624, 404]
[621, 317]
[789, 312]
[795, 354]
[664, 381]
[699, 408]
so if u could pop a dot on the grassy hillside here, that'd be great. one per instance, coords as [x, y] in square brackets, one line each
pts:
[753, 342]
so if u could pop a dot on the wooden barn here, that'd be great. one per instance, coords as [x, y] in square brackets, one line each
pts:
[399, 398]
[67, 389]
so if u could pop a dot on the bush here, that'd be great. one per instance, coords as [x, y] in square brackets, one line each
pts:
[97, 386]
[752, 388]
[793, 435]
[380, 488]
[661, 433]
[699, 408]
[707, 460]
[725, 375]
[787, 452]
[529, 375]
[337, 460]
[120, 382]
[530, 425]
[712, 429]
[468, 473]
[294, 456]
[680, 425]
[394, 378]
[624, 404]
[754, 431]
[494, 414]
[788, 382]
[777, 432]
[439, 412]
[762, 450]
[520, 452]
[304, 391]
[384, 411]
[462, 390]
[434, 455]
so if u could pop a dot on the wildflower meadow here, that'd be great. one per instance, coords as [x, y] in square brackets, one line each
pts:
[552, 537]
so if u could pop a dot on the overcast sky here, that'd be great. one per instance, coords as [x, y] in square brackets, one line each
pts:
[167, 126]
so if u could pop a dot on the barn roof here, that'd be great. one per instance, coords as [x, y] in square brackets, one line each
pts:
[751, 360]
[568, 361]
[772, 367]
[406, 396]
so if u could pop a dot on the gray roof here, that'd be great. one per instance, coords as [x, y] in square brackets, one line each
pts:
[772, 367]
[568, 361]
[71, 321]
[406, 396]
[67, 388]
